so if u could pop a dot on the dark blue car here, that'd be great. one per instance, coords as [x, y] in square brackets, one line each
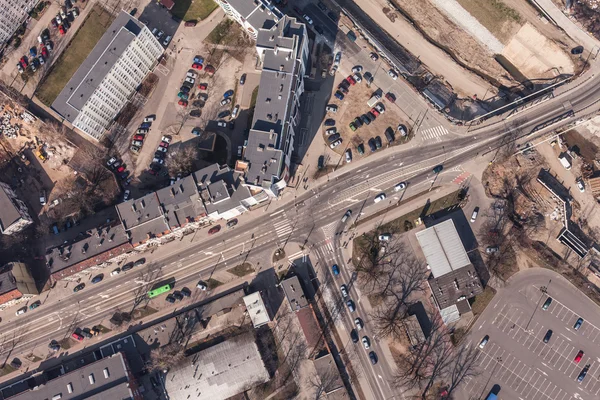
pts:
[335, 269]
[228, 93]
[145, 125]
[339, 95]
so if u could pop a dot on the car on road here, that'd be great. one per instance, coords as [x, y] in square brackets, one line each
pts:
[547, 336]
[232, 222]
[492, 249]
[437, 169]
[307, 19]
[484, 341]
[393, 74]
[98, 278]
[79, 287]
[366, 342]
[77, 336]
[583, 373]
[400, 186]
[475, 214]
[21, 310]
[350, 305]
[359, 323]
[214, 229]
[547, 303]
[578, 357]
[379, 198]
[335, 269]
[344, 290]
[35, 305]
[201, 285]
[373, 357]
[347, 215]
[354, 336]
[578, 323]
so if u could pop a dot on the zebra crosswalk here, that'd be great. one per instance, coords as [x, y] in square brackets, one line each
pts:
[434, 133]
[283, 228]
[329, 230]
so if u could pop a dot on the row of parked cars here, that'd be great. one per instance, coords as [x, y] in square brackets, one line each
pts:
[117, 166]
[63, 19]
[138, 138]
[36, 58]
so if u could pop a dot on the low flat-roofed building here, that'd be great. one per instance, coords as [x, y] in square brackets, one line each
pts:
[257, 309]
[329, 374]
[413, 330]
[106, 379]
[443, 248]
[95, 249]
[218, 372]
[455, 289]
[292, 288]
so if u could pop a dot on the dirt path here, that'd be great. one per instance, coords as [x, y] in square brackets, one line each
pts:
[436, 60]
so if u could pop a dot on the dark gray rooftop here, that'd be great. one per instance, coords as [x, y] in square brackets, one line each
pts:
[294, 293]
[448, 289]
[265, 160]
[9, 212]
[142, 217]
[439, 94]
[115, 386]
[181, 201]
[98, 63]
[243, 7]
[213, 173]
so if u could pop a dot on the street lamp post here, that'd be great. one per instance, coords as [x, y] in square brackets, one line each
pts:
[544, 290]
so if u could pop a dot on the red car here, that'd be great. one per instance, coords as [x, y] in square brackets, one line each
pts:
[210, 69]
[214, 229]
[182, 103]
[351, 80]
[138, 137]
[203, 86]
[374, 111]
[77, 336]
[578, 357]
[62, 30]
[391, 97]
[197, 66]
[44, 52]
[23, 62]
[121, 169]
[164, 144]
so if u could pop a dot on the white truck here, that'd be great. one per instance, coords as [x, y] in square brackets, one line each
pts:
[373, 100]
[564, 160]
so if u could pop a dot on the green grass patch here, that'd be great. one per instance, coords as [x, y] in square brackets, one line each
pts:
[103, 329]
[254, 97]
[213, 283]
[193, 10]
[218, 35]
[495, 15]
[83, 42]
[140, 313]
[480, 302]
[7, 369]
[241, 270]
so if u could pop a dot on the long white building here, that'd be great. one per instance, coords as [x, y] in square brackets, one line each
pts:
[252, 15]
[12, 14]
[109, 76]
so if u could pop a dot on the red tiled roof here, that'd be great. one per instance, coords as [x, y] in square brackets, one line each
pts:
[13, 294]
[312, 330]
[99, 259]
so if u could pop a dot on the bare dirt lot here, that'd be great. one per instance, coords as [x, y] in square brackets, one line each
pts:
[354, 105]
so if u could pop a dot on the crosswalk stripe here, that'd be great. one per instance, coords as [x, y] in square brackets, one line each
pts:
[434, 132]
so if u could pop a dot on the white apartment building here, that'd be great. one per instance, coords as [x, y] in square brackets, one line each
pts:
[252, 15]
[12, 14]
[109, 76]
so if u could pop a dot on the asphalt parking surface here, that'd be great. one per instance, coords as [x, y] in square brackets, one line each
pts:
[517, 359]
[156, 16]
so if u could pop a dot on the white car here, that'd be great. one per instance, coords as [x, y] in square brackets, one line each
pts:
[484, 341]
[336, 143]
[43, 198]
[190, 80]
[137, 143]
[357, 78]
[580, 185]
[225, 101]
[235, 111]
[115, 272]
[400, 186]
[474, 215]
[111, 161]
[222, 124]
[385, 237]
[163, 149]
[359, 324]
[158, 160]
[166, 139]
[356, 69]
[338, 58]
[192, 74]
[379, 198]
[332, 108]
[348, 156]
[393, 74]
[126, 195]
[201, 285]
[150, 118]
[167, 40]
[307, 19]
[366, 342]
[21, 310]
[379, 107]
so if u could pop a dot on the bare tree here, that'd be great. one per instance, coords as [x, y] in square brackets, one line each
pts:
[463, 365]
[324, 383]
[166, 357]
[182, 160]
[146, 279]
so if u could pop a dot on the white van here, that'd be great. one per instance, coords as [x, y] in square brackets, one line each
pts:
[474, 215]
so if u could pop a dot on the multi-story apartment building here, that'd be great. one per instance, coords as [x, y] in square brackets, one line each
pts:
[14, 215]
[252, 15]
[109, 76]
[12, 14]
[282, 46]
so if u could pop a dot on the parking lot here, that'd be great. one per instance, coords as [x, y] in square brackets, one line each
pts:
[516, 357]
[156, 16]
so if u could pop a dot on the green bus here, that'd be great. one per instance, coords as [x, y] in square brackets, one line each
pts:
[160, 290]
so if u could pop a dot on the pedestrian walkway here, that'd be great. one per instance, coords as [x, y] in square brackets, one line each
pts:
[434, 134]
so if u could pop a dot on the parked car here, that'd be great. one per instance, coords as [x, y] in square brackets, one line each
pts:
[222, 124]
[475, 214]
[126, 195]
[492, 249]
[583, 373]
[77, 336]
[242, 79]
[400, 186]
[344, 290]
[379, 197]
[225, 101]
[372, 145]
[360, 149]
[348, 155]
[578, 357]
[201, 285]
[354, 336]
[329, 122]
[335, 144]
[214, 229]
[393, 74]
[547, 303]
[235, 111]
[373, 357]
[385, 237]
[578, 323]
[79, 287]
[21, 310]
[182, 103]
[351, 306]
[484, 341]
[359, 323]
[547, 336]
[197, 66]
[366, 342]
[378, 143]
[167, 40]
[98, 278]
